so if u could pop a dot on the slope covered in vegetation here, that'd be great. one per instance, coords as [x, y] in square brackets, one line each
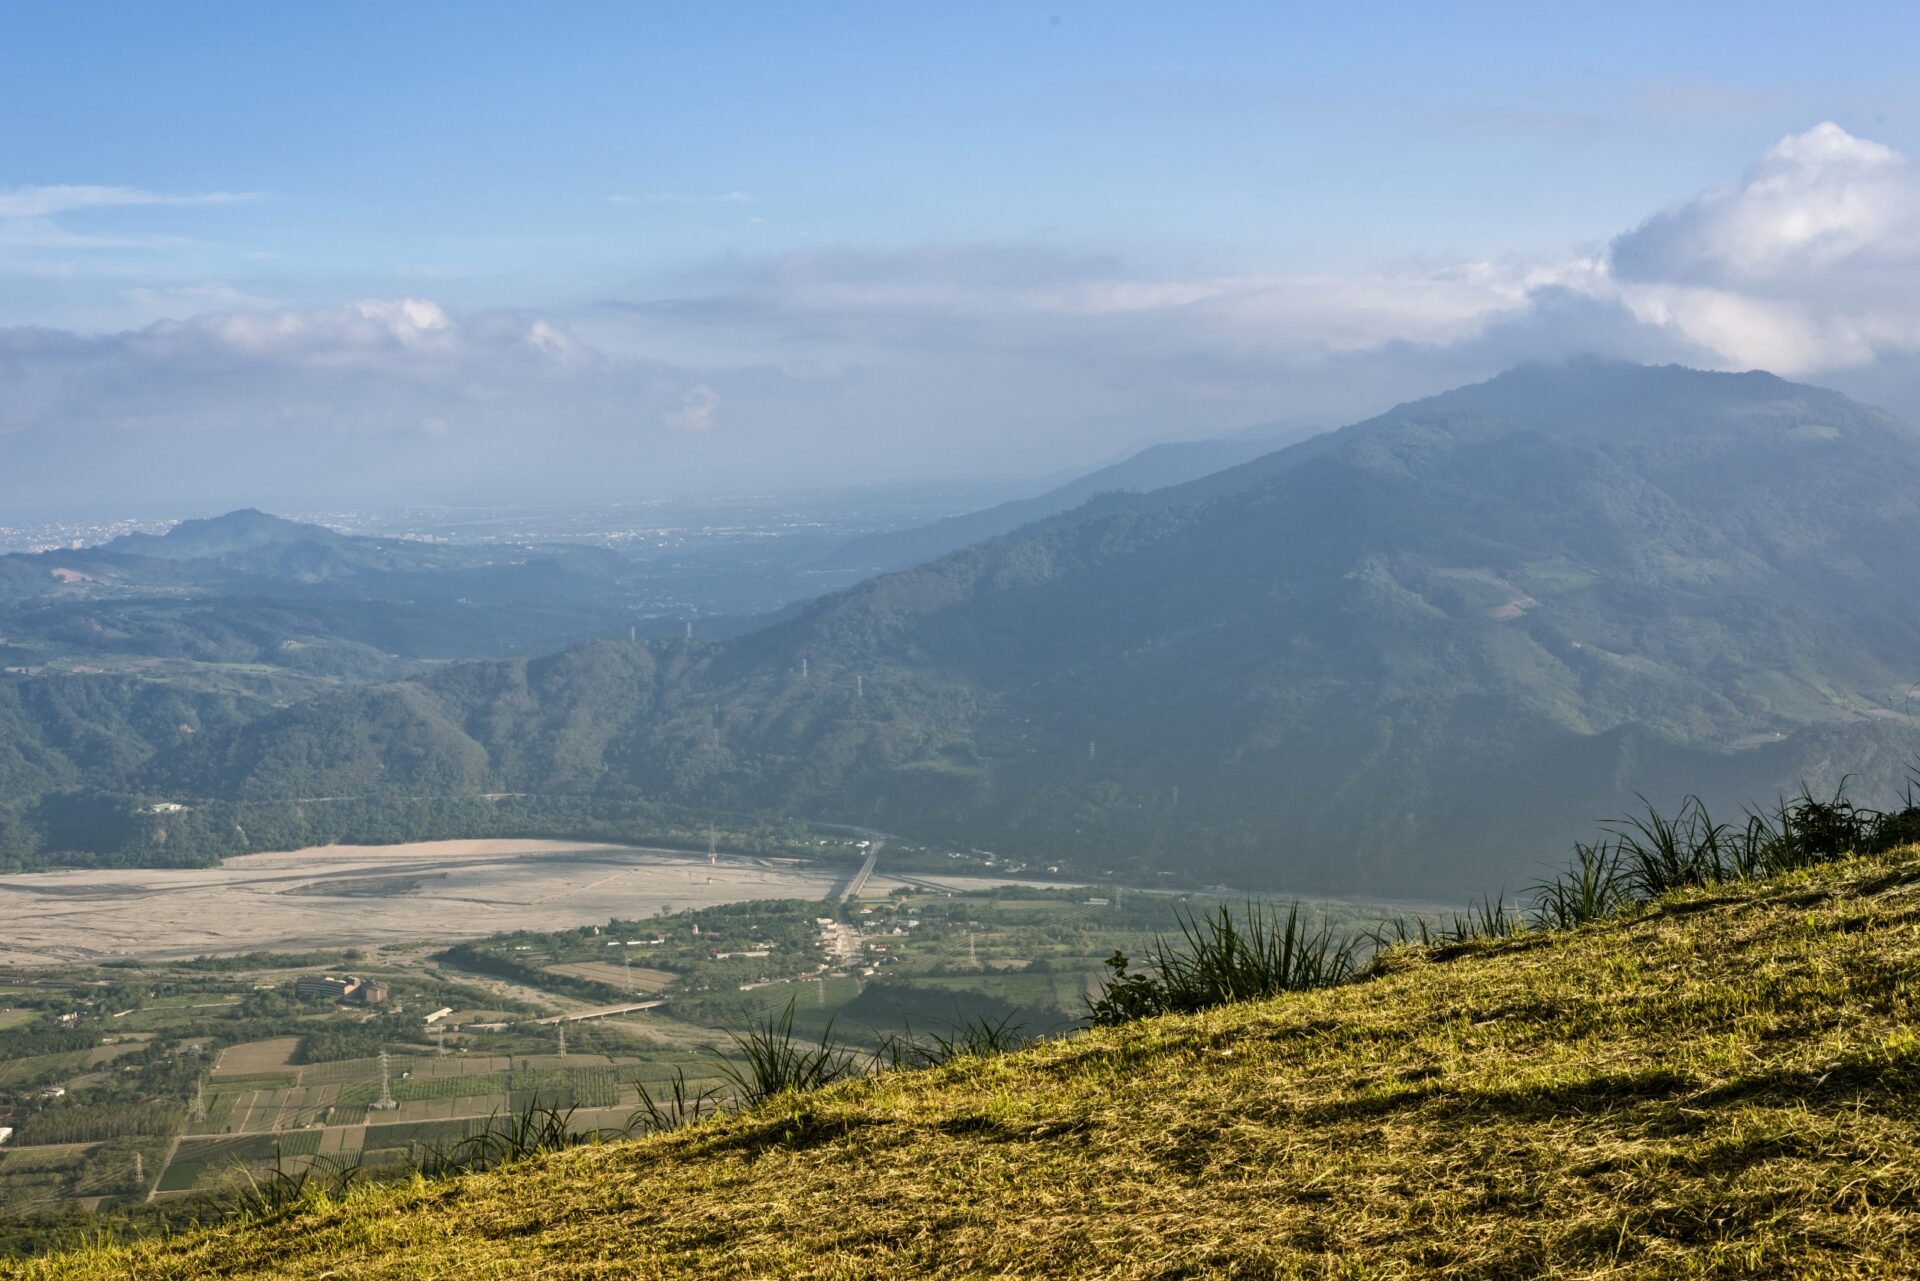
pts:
[1719, 1083]
[1412, 652]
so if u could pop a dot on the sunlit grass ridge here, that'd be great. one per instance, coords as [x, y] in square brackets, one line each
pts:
[1717, 1082]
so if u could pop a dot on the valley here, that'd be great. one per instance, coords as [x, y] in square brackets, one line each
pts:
[1096, 641]
[591, 845]
[188, 1033]
[369, 896]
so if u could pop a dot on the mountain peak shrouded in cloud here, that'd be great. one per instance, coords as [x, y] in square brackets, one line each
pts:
[840, 363]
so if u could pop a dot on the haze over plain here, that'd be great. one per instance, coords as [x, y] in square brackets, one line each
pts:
[613, 250]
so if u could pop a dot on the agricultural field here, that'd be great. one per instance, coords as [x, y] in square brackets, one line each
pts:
[633, 978]
[256, 1057]
[165, 1083]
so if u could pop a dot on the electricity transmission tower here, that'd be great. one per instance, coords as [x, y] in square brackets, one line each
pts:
[386, 1101]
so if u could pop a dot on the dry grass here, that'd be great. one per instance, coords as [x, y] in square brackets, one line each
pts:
[276, 1055]
[637, 978]
[1721, 1085]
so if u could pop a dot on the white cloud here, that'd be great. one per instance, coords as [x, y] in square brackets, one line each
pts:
[698, 405]
[45, 202]
[845, 364]
[1817, 201]
[1810, 263]
[45, 232]
[377, 365]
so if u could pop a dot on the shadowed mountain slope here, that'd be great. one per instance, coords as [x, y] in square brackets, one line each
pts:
[1153, 468]
[1412, 656]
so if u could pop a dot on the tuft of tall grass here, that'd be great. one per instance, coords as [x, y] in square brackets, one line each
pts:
[1661, 854]
[978, 1037]
[1805, 831]
[681, 1105]
[282, 1188]
[1489, 918]
[774, 1061]
[527, 1133]
[1217, 960]
[1593, 888]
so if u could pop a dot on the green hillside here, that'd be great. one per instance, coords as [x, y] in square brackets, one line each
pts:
[1413, 654]
[1154, 468]
[1719, 1084]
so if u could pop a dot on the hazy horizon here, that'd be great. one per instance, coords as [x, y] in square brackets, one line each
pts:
[363, 258]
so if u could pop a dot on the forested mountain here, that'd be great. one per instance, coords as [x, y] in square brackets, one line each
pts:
[252, 589]
[1153, 468]
[1400, 657]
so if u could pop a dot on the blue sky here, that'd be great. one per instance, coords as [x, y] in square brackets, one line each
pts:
[492, 249]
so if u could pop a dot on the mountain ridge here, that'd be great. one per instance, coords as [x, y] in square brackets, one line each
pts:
[1531, 598]
[1152, 468]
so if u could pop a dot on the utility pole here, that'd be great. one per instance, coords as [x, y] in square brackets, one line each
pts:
[385, 1103]
[973, 957]
[713, 854]
[563, 1039]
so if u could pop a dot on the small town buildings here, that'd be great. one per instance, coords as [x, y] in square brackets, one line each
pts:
[326, 985]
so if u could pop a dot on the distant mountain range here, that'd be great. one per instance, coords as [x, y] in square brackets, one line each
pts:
[1153, 468]
[1396, 658]
[249, 588]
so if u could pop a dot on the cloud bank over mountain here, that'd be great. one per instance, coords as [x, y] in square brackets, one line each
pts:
[844, 363]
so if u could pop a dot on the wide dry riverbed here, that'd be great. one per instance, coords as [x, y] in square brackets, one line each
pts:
[365, 895]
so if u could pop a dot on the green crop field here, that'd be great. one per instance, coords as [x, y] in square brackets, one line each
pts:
[256, 1080]
[339, 1072]
[300, 1143]
[16, 1071]
[66, 1156]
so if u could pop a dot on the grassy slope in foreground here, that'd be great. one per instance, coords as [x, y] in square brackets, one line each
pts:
[1723, 1084]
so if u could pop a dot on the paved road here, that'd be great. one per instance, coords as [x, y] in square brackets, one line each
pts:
[165, 1161]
